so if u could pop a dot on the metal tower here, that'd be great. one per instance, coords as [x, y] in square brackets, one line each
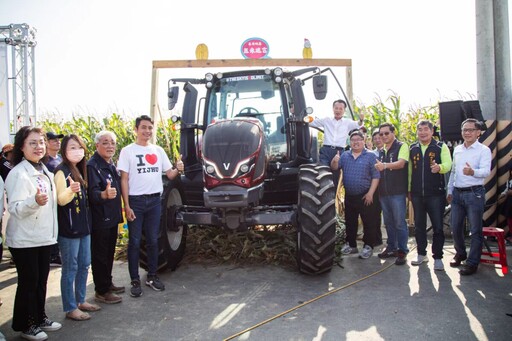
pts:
[17, 79]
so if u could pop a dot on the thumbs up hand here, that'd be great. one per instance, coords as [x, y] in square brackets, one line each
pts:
[41, 198]
[435, 168]
[110, 192]
[335, 161]
[73, 185]
[179, 164]
[379, 165]
[467, 170]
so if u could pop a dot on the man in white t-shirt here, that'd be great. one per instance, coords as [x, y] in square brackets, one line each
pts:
[141, 165]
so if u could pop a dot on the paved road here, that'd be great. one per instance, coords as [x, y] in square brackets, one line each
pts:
[368, 300]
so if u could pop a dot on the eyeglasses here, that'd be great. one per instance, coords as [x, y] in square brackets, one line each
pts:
[469, 130]
[385, 133]
[356, 140]
[35, 144]
[106, 144]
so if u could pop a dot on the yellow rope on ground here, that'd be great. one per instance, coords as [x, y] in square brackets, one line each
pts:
[310, 301]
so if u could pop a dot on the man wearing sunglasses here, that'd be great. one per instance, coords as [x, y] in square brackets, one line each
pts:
[466, 193]
[392, 165]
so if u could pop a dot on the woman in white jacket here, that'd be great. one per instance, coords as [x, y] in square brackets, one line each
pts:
[31, 231]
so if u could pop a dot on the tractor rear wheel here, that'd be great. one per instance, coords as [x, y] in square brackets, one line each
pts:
[316, 216]
[172, 237]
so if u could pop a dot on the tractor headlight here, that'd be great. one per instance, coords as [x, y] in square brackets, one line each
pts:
[278, 75]
[244, 168]
[210, 169]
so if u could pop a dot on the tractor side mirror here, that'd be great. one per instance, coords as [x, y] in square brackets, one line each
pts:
[320, 86]
[172, 94]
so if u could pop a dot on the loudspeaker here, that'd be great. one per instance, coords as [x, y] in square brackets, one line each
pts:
[451, 115]
[472, 110]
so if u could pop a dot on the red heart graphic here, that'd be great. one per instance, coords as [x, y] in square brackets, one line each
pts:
[151, 158]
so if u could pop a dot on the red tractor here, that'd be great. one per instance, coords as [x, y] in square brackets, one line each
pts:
[251, 159]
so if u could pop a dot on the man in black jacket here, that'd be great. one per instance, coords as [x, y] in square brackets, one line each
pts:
[105, 202]
[429, 161]
[392, 165]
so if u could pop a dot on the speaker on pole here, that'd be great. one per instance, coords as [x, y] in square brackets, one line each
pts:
[451, 116]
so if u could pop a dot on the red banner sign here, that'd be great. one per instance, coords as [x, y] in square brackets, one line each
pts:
[255, 48]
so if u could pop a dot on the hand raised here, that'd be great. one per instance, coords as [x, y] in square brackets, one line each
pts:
[110, 191]
[179, 164]
[73, 185]
[467, 170]
[379, 165]
[41, 198]
[435, 168]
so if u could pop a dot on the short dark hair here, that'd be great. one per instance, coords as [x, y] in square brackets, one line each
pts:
[143, 118]
[375, 132]
[389, 125]
[356, 132]
[339, 101]
[478, 124]
[425, 123]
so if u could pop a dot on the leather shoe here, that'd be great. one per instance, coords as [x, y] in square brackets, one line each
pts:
[467, 270]
[457, 260]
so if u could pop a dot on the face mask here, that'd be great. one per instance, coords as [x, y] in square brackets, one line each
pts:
[76, 155]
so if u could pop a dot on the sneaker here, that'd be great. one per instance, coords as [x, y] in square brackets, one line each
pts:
[116, 290]
[438, 265]
[419, 260]
[49, 326]
[108, 298]
[387, 253]
[400, 258]
[154, 282]
[366, 252]
[55, 262]
[34, 333]
[347, 249]
[135, 290]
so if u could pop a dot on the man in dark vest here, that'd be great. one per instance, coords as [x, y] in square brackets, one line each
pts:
[429, 160]
[392, 165]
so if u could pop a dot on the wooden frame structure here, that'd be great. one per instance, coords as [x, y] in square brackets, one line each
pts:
[243, 63]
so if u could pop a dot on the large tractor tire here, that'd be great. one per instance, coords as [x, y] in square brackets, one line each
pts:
[172, 237]
[316, 220]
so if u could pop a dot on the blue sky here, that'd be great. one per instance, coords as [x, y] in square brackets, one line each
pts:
[95, 56]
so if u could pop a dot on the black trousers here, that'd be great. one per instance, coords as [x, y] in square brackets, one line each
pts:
[355, 207]
[33, 267]
[103, 245]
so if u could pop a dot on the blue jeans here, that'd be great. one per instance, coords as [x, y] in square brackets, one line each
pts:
[434, 207]
[76, 259]
[325, 157]
[468, 204]
[393, 211]
[147, 218]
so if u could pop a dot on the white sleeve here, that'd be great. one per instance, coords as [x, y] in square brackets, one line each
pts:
[123, 164]
[166, 163]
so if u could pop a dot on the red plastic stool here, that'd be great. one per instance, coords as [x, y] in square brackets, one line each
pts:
[499, 257]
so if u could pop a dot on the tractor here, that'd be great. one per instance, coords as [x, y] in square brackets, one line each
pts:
[251, 159]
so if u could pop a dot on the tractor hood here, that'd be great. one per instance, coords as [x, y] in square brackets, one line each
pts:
[233, 153]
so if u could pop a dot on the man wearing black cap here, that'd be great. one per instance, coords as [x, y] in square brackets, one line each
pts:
[5, 160]
[53, 159]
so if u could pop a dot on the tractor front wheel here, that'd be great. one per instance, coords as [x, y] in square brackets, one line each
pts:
[316, 220]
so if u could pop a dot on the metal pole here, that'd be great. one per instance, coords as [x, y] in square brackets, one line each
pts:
[503, 98]
[486, 91]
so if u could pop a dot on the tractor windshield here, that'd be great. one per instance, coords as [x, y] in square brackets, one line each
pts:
[256, 96]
